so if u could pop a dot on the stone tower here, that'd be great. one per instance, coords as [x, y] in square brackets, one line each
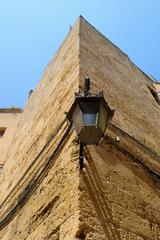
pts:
[43, 193]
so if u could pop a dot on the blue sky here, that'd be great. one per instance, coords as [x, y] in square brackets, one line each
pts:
[32, 30]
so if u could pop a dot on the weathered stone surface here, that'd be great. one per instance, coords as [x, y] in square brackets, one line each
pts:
[44, 111]
[54, 205]
[125, 86]
[9, 119]
[115, 196]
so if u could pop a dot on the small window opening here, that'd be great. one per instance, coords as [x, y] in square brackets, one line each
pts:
[155, 95]
[2, 131]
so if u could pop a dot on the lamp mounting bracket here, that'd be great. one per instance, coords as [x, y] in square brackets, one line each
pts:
[86, 86]
[81, 155]
[86, 92]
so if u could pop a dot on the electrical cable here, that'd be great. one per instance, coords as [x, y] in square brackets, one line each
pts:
[36, 158]
[136, 159]
[30, 188]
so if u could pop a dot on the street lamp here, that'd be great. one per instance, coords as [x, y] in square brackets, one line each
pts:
[90, 115]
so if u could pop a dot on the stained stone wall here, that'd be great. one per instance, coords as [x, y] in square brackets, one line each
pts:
[40, 130]
[119, 199]
[125, 86]
[43, 193]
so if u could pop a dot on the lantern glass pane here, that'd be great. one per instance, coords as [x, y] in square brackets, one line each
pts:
[77, 119]
[89, 107]
[90, 112]
[103, 117]
[90, 118]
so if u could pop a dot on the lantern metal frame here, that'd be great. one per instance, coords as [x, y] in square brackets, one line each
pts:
[100, 101]
[90, 114]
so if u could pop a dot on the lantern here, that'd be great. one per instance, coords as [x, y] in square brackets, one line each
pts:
[90, 115]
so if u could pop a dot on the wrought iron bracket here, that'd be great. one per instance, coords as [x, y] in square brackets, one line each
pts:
[86, 86]
[81, 160]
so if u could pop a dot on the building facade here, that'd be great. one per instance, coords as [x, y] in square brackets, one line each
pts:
[44, 194]
[9, 119]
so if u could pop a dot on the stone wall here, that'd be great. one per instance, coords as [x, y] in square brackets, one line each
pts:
[44, 112]
[43, 193]
[39, 132]
[52, 211]
[9, 119]
[125, 86]
[119, 198]
[157, 87]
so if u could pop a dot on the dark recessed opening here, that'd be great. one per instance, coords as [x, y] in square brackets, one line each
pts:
[155, 95]
[81, 236]
[2, 131]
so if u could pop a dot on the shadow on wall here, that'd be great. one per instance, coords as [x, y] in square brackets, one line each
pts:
[102, 207]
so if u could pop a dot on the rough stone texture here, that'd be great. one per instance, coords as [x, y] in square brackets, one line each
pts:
[44, 111]
[125, 86]
[9, 120]
[50, 210]
[118, 200]
[116, 196]
[157, 87]
[54, 205]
